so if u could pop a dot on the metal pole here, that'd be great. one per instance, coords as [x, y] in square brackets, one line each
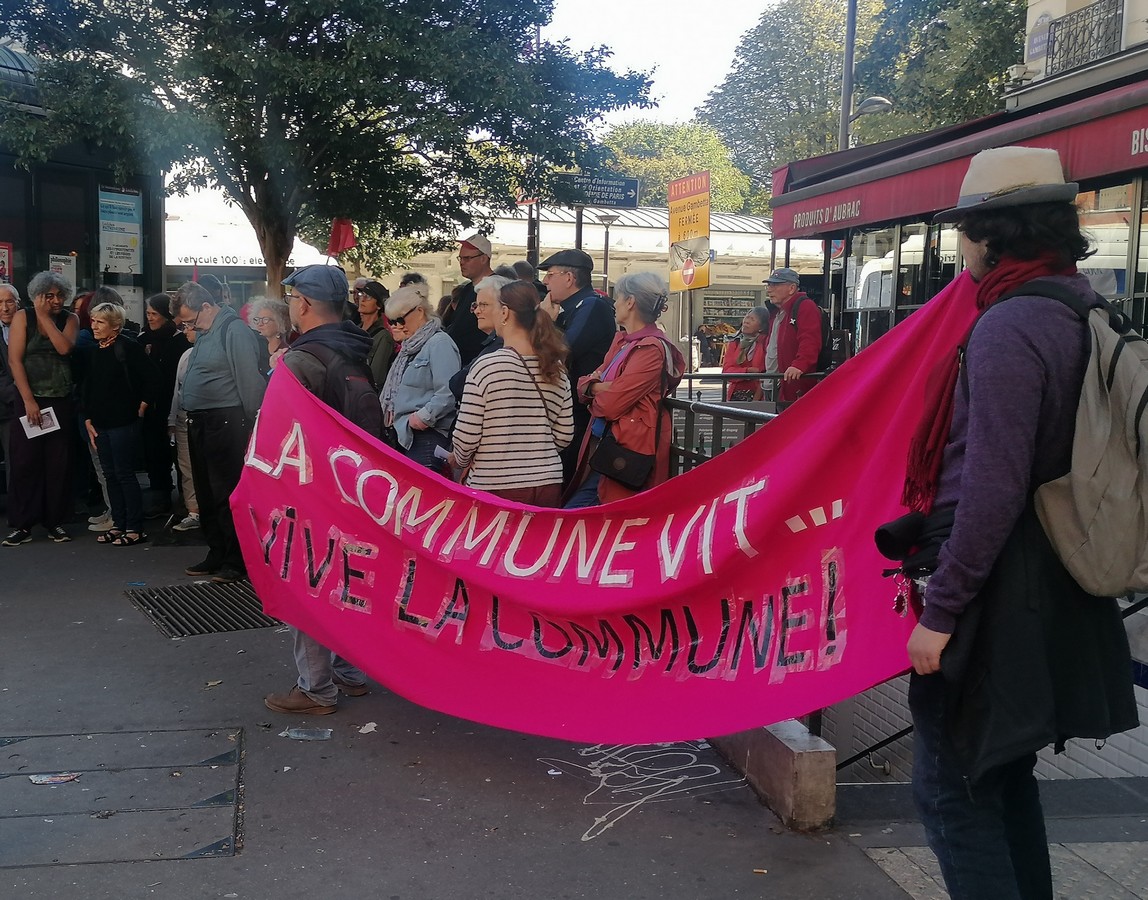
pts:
[847, 75]
[606, 262]
[578, 210]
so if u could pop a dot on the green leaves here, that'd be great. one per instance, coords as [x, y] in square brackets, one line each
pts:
[384, 111]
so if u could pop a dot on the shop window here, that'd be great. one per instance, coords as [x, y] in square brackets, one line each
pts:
[13, 228]
[64, 207]
[1105, 217]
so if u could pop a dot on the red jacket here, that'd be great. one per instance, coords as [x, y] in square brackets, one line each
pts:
[632, 401]
[798, 343]
[755, 363]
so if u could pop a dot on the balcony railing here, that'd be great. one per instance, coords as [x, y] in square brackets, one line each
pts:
[1084, 36]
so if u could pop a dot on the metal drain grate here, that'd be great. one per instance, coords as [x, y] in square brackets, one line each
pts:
[191, 609]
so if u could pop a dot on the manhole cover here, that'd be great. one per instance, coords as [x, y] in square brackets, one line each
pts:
[189, 609]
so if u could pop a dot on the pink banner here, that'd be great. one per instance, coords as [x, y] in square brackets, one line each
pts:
[741, 593]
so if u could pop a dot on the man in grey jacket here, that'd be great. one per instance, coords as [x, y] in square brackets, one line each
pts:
[318, 295]
[222, 391]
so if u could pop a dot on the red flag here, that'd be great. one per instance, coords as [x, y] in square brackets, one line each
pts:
[342, 237]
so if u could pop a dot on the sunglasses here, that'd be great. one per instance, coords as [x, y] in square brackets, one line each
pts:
[400, 321]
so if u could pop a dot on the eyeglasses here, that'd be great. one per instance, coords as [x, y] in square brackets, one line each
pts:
[8, 302]
[359, 292]
[52, 295]
[193, 325]
[262, 320]
[476, 306]
[462, 258]
[400, 321]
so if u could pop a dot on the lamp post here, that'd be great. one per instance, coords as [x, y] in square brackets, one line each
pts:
[607, 219]
[869, 104]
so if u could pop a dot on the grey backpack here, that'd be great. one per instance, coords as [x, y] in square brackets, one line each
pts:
[1096, 516]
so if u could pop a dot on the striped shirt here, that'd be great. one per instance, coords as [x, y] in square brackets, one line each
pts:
[503, 432]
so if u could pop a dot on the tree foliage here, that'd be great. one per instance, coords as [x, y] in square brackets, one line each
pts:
[781, 99]
[404, 115]
[657, 153]
[943, 61]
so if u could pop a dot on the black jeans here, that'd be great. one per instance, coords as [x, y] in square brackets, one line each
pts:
[988, 836]
[217, 441]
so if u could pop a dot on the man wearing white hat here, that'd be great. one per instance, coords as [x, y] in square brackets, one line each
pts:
[458, 319]
[1010, 654]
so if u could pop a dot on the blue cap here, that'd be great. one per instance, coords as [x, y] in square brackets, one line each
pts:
[327, 284]
[783, 276]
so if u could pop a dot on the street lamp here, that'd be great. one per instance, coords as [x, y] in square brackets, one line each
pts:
[607, 219]
[869, 104]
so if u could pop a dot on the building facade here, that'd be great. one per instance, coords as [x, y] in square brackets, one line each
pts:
[1082, 89]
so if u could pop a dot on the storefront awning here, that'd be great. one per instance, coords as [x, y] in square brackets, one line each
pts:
[1097, 136]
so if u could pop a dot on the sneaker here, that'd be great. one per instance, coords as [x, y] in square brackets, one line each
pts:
[228, 575]
[295, 701]
[58, 534]
[187, 523]
[351, 690]
[204, 568]
[102, 525]
[18, 537]
[105, 516]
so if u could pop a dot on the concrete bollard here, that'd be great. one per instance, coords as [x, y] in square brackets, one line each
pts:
[793, 771]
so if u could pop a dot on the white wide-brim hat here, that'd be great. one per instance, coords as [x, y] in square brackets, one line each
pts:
[1010, 176]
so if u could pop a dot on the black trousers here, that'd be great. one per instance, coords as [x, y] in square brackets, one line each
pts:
[42, 490]
[217, 440]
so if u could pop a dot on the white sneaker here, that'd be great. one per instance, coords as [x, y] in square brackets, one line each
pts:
[102, 524]
[105, 516]
[187, 523]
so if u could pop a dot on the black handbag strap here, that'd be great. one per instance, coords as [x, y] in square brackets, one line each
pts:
[534, 381]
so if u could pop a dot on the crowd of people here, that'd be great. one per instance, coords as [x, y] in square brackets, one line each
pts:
[539, 391]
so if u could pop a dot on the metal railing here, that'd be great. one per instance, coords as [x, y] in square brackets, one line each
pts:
[703, 428]
[1084, 36]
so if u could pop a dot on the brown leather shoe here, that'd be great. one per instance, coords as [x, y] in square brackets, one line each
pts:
[351, 690]
[295, 701]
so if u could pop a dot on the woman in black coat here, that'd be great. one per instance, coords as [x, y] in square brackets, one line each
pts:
[164, 344]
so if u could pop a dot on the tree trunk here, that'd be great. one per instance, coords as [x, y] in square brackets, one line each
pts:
[276, 240]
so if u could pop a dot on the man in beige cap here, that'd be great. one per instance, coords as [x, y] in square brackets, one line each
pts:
[458, 320]
[1010, 654]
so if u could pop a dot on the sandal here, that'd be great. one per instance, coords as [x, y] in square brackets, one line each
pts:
[109, 537]
[129, 539]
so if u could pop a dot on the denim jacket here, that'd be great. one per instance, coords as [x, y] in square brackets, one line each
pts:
[425, 388]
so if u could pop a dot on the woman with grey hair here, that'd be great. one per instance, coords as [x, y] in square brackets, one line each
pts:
[625, 393]
[745, 354]
[40, 340]
[271, 319]
[122, 383]
[418, 407]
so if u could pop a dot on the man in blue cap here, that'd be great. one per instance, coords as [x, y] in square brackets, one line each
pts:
[329, 350]
[794, 340]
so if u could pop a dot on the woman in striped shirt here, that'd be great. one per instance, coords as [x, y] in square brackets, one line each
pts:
[516, 412]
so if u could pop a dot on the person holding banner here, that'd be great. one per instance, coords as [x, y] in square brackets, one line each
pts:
[624, 395]
[516, 413]
[317, 299]
[418, 407]
[1010, 654]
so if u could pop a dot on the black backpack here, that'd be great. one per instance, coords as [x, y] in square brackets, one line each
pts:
[825, 356]
[349, 388]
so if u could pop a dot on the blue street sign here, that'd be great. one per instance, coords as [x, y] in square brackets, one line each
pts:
[593, 190]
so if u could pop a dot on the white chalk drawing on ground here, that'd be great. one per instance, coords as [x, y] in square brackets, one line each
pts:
[626, 776]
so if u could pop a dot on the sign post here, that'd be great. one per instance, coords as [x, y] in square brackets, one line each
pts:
[593, 190]
[690, 240]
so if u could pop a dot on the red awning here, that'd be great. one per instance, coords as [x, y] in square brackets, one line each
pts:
[1097, 136]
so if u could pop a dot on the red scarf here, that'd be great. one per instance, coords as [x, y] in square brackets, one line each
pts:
[926, 450]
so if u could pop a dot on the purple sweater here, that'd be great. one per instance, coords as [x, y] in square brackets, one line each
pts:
[1011, 432]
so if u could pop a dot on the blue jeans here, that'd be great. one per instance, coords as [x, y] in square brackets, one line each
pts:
[118, 449]
[422, 448]
[316, 665]
[988, 836]
[587, 493]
